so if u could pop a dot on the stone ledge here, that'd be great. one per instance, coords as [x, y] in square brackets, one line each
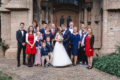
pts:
[11, 53]
[2, 9]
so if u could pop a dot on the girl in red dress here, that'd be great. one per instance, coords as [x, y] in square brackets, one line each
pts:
[30, 47]
[89, 50]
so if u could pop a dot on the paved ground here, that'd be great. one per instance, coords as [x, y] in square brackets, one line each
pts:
[39, 73]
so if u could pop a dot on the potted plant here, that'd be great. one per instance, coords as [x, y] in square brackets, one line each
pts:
[4, 46]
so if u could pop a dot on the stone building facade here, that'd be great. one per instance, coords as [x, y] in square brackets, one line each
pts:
[102, 15]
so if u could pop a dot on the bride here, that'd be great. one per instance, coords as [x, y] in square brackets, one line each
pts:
[60, 56]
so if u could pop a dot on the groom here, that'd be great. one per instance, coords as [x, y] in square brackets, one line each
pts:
[66, 38]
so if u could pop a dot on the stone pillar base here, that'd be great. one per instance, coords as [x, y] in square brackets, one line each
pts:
[11, 53]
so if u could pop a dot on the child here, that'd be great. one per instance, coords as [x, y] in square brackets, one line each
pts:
[38, 46]
[50, 49]
[75, 44]
[44, 53]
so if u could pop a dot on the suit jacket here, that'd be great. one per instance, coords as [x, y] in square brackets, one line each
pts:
[42, 30]
[38, 43]
[67, 37]
[49, 46]
[44, 51]
[21, 39]
[53, 36]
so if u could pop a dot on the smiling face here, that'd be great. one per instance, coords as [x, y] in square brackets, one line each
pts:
[44, 44]
[37, 29]
[63, 27]
[31, 29]
[53, 26]
[89, 31]
[22, 26]
[34, 24]
[47, 29]
[44, 25]
[75, 29]
[71, 24]
[83, 26]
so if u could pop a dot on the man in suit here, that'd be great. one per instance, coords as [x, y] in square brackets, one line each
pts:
[70, 27]
[66, 38]
[21, 43]
[53, 32]
[44, 28]
[81, 56]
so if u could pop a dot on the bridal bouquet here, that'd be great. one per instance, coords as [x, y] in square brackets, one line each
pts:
[60, 38]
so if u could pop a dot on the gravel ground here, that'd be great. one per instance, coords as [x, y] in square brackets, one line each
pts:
[39, 73]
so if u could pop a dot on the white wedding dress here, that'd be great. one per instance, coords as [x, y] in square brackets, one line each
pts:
[60, 56]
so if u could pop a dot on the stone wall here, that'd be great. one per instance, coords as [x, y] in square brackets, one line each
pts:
[111, 27]
[6, 27]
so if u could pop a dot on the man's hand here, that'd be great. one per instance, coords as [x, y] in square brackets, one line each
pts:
[82, 45]
[23, 44]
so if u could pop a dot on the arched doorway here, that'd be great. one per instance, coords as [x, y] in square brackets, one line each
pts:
[65, 11]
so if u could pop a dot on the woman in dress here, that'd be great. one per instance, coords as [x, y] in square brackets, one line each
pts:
[60, 56]
[38, 39]
[47, 34]
[35, 25]
[30, 47]
[89, 50]
[75, 42]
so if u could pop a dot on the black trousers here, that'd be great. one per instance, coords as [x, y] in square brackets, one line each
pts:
[30, 60]
[83, 56]
[20, 47]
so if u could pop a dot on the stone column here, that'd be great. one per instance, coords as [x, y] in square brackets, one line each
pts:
[85, 16]
[47, 14]
[105, 27]
[30, 12]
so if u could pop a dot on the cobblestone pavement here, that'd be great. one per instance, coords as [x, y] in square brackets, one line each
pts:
[39, 73]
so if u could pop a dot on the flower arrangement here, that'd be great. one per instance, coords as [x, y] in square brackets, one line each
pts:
[4, 46]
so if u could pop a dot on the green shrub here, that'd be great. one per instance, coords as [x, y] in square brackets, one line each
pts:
[4, 76]
[118, 49]
[109, 64]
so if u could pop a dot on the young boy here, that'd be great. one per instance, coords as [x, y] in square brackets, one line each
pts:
[44, 53]
[50, 49]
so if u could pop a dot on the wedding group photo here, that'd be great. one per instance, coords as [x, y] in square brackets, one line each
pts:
[58, 47]
[59, 40]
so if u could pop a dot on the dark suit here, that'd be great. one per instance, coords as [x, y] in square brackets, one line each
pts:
[66, 40]
[53, 36]
[42, 30]
[21, 39]
[49, 47]
[44, 51]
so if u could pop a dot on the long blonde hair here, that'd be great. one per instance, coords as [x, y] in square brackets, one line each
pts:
[91, 30]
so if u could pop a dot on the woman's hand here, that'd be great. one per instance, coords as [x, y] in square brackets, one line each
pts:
[32, 45]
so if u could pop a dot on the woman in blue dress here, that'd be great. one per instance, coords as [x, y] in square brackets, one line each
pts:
[75, 41]
[47, 34]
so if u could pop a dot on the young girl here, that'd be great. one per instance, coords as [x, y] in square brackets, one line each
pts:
[30, 47]
[75, 44]
[39, 39]
[89, 50]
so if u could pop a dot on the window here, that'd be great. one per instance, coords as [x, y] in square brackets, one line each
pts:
[74, 2]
